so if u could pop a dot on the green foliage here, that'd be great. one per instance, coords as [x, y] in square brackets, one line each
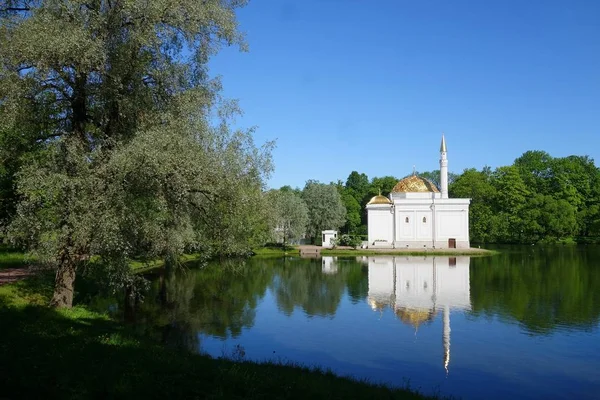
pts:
[384, 184]
[353, 211]
[349, 240]
[357, 185]
[289, 215]
[538, 199]
[108, 140]
[325, 207]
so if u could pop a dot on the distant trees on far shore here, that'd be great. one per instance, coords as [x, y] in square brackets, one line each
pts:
[539, 198]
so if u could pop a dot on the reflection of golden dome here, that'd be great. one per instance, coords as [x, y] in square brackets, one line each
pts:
[415, 184]
[377, 305]
[379, 199]
[415, 317]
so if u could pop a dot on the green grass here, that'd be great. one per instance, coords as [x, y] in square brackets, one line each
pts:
[80, 354]
[276, 251]
[145, 266]
[10, 258]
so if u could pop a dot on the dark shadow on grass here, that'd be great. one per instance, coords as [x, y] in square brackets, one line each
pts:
[51, 355]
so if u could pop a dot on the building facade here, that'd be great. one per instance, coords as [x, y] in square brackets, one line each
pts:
[419, 215]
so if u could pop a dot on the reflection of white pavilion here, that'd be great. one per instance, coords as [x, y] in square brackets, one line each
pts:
[329, 265]
[416, 288]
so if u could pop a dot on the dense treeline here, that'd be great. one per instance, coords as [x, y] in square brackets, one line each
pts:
[538, 198]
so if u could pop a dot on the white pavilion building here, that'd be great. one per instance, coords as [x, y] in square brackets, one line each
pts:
[418, 215]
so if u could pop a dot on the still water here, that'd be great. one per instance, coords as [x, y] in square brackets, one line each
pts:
[524, 324]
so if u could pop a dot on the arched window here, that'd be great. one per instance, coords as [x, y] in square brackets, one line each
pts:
[406, 220]
[424, 219]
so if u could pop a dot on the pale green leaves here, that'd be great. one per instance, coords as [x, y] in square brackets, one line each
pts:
[325, 207]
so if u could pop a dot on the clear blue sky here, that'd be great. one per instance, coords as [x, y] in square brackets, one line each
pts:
[370, 86]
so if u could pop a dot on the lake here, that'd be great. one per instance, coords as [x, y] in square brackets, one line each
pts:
[523, 324]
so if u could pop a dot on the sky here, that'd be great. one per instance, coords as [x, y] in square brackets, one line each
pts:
[370, 86]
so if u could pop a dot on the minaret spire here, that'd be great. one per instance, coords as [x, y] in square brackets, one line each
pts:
[443, 168]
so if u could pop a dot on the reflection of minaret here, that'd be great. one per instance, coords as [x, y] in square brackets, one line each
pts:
[446, 337]
[417, 288]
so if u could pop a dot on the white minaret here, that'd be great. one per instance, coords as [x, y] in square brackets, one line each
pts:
[444, 168]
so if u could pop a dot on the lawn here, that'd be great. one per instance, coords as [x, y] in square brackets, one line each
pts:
[80, 354]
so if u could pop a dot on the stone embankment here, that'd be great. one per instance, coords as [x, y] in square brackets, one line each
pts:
[317, 251]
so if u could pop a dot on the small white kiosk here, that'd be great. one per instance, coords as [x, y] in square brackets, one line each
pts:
[327, 237]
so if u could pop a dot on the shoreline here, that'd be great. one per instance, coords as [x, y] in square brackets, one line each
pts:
[80, 353]
[474, 252]
[318, 251]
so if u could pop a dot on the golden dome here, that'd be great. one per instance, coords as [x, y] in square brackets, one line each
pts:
[415, 184]
[379, 199]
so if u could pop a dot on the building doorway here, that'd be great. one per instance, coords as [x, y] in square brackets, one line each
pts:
[451, 243]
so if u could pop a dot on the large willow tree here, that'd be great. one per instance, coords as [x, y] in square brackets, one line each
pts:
[108, 116]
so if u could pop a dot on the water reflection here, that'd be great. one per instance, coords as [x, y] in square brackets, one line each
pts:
[418, 288]
[543, 289]
[387, 318]
[311, 285]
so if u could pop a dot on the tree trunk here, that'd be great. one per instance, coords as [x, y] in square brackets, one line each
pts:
[63, 286]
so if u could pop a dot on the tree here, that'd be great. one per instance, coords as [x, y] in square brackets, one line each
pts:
[357, 185]
[536, 169]
[510, 200]
[290, 214]
[353, 211]
[113, 101]
[384, 184]
[325, 208]
[477, 186]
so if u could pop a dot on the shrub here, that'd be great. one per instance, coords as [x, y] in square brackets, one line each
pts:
[348, 240]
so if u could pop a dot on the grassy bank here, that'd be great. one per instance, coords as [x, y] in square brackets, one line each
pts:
[10, 258]
[276, 251]
[82, 354]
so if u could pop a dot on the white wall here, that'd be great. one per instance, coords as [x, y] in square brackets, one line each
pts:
[327, 236]
[452, 222]
[427, 217]
[380, 224]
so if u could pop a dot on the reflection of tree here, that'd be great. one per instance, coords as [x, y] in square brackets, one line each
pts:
[357, 280]
[544, 289]
[217, 300]
[221, 298]
[301, 283]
